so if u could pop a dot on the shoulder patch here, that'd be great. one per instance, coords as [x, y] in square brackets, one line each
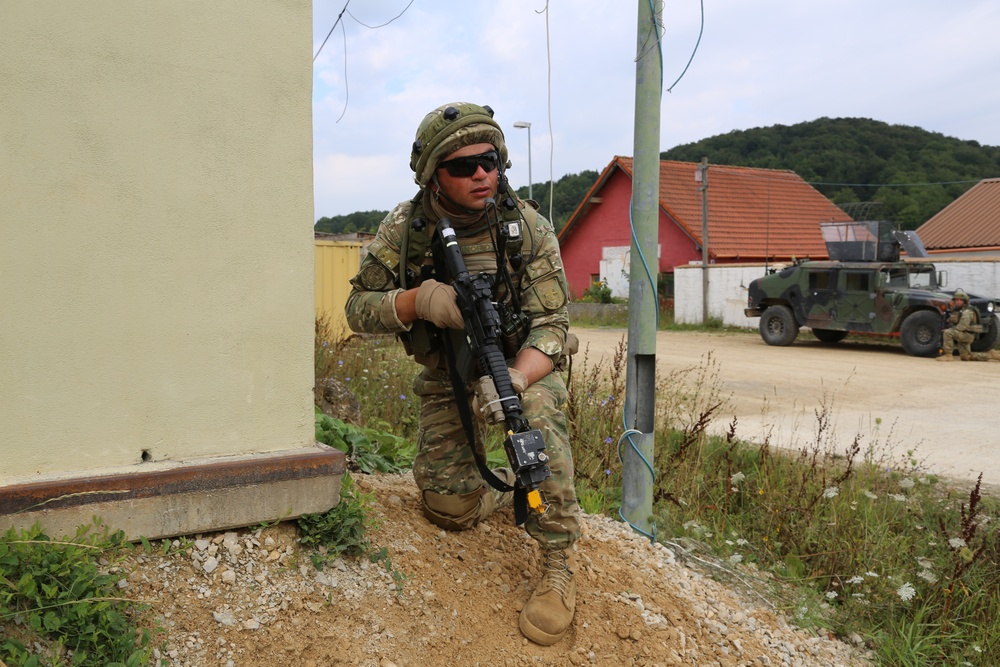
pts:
[383, 253]
[540, 268]
[550, 294]
[375, 277]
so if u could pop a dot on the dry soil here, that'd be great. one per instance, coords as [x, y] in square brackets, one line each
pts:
[947, 413]
[251, 598]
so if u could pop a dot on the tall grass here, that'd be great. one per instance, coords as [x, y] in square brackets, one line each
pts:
[862, 542]
[873, 545]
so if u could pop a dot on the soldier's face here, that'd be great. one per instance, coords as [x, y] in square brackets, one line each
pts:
[472, 191]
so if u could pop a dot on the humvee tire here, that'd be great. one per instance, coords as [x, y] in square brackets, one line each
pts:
[920, 333]
[777, 326]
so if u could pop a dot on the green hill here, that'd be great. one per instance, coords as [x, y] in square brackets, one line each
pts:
[873, 169]
[909, 172]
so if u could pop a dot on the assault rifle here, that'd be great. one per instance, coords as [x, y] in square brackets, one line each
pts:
[495, 393]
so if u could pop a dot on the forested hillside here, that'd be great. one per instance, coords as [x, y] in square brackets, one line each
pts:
[894, 172]
[913, 173]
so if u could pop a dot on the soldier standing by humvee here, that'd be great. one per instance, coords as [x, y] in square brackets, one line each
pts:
[964, 325]
[459, 158]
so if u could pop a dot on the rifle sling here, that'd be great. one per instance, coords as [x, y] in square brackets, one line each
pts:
[465, 413]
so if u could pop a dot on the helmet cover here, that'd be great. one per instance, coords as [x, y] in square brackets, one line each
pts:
[449, 128]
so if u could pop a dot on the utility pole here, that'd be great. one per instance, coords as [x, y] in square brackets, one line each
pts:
[525, 125]
[638, 473]
[701, 176]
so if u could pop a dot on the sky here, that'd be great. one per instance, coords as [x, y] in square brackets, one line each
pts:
[568, 68]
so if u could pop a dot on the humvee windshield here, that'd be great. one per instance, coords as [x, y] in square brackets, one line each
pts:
[919, 277]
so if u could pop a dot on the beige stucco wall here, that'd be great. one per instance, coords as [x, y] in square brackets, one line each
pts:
[156, 261]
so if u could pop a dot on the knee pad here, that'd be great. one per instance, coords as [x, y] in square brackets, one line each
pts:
[457, 511]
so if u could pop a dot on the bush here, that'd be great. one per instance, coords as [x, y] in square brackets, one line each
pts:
[599, 292]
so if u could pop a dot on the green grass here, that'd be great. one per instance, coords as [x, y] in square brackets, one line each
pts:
[856, 541]
[62, 595]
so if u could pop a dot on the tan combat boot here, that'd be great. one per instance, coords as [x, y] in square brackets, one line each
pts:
[945, 357]
[994, 355]
[549, 612]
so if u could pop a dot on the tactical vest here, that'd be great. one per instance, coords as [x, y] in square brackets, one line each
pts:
[422, 340]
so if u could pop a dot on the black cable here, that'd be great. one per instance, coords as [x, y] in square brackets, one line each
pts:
[373, 27]
[339, 16]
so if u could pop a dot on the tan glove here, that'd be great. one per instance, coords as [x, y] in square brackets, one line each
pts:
[519, 380]
[436, 303]
[485, 394]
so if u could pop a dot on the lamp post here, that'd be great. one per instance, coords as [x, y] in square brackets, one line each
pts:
[525, 125]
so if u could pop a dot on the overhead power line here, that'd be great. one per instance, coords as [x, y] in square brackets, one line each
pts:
[332, 28]
[892, 185]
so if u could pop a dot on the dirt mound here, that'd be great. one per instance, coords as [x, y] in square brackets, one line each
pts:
[253, 598]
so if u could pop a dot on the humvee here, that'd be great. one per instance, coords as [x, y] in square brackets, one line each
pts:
[863, 288]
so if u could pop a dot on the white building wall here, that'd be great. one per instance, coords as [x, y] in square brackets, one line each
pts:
[980, 277]
[727, 292]
[615, 268]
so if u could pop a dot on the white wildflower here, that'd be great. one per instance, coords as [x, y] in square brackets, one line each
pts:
[906, 483]
[925, 563]
[741, 542]
[736, 558]
[928, 576]
[870, 495]
[906, 592]
[831, 595]
[873, 575]
[898, 497]
[737, 477]
[855, 580]
[956, 543]
[830, 492]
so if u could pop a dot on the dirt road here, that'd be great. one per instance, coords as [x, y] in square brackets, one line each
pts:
[948, 413]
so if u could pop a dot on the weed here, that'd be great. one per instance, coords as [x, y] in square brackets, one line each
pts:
[63, 596]
[343, 531]
[367, 449]
[870, 544]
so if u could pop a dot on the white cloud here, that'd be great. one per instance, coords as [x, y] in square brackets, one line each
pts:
[923, 63]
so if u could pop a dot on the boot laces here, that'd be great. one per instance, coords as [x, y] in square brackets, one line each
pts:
[557, 574]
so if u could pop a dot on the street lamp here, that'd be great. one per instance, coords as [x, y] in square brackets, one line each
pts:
[525, 125]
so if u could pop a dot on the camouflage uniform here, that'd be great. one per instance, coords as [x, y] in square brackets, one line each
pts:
[964, 326]
[444, 468]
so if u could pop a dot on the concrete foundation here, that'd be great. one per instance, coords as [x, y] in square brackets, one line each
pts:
[190, 497]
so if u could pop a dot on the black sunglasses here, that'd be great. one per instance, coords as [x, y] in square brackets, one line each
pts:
[463, 167]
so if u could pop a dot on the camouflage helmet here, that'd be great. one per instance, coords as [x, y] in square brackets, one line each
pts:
[448, 128]
[960, 294]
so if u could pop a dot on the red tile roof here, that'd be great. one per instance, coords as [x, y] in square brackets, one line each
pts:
[971, 221]
[752, 213]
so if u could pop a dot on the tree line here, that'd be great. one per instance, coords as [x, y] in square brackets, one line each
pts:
[910, 173]
[890, 172]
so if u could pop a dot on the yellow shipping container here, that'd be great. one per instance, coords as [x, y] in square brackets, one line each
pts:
[336, 263]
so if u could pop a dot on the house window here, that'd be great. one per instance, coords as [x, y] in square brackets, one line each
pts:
[595, 278]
